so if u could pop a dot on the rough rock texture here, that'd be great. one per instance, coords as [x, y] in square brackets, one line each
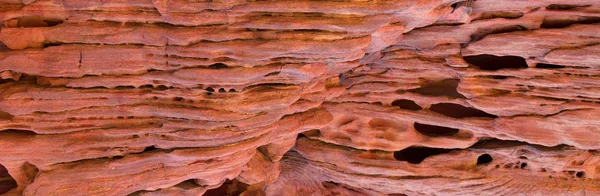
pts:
[302, 97]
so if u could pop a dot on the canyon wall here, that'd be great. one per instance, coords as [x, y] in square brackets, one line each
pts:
[300, 97]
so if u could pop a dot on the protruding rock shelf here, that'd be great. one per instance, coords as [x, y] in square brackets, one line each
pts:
[302, 97]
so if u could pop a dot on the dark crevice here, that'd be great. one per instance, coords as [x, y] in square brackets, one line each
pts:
[218, 66]
[150, 149]
[459, 111]
[498, 77]
[273, 74]
[330, 184]
[551, 23]
[416, 155]
[492, 62]
[229, 187]
[7, 182]
[80, 57]
[16, 132]
[484, 159]
[445, 87]
[406, 104]
[549, 66]
[57, 43]
[123, 87]
[496, 144]
[435, 131]
[454, 6]
[481, 33]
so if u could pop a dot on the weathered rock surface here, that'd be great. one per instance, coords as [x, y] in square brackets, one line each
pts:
[303, 97]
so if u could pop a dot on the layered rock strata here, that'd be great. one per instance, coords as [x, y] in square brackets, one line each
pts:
[303, 97]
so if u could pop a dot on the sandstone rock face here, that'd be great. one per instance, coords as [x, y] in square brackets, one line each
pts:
[303, 97]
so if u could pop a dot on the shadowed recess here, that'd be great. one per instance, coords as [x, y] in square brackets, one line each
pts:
[548, 66]
[5, 115]
[32, 21]
[445, 87]
[185, 185]
[459, 111]
[218, 66]
[229, 187]
[563, 6]
[492, 62]
[406, 104]
[481, 33]
[555, 23]
[435, 131]
[416, 155]
[16, 133]
[7, 182]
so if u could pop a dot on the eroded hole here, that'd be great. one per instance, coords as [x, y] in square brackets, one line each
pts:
[549, 66]
[162, 87]
[435, 131]
[416, 155]
[440, 88]
[484, 159]
[229, 187]
[459, 111]
[406, 104]
[492, 62]
[7, 182]
[178, 99]
[30, 171]
[580, 174]
[32, 21]
[149, 149]
[218, 66]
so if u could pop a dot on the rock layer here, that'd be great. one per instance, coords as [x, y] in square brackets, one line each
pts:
[356, 97]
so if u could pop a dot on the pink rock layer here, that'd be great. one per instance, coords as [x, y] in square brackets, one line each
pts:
[354, 97]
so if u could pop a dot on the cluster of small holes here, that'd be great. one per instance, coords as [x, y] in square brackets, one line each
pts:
[517, 165]
[211, 90]
[576, 174]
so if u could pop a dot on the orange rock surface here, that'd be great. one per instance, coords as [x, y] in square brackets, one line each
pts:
[302, 97]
